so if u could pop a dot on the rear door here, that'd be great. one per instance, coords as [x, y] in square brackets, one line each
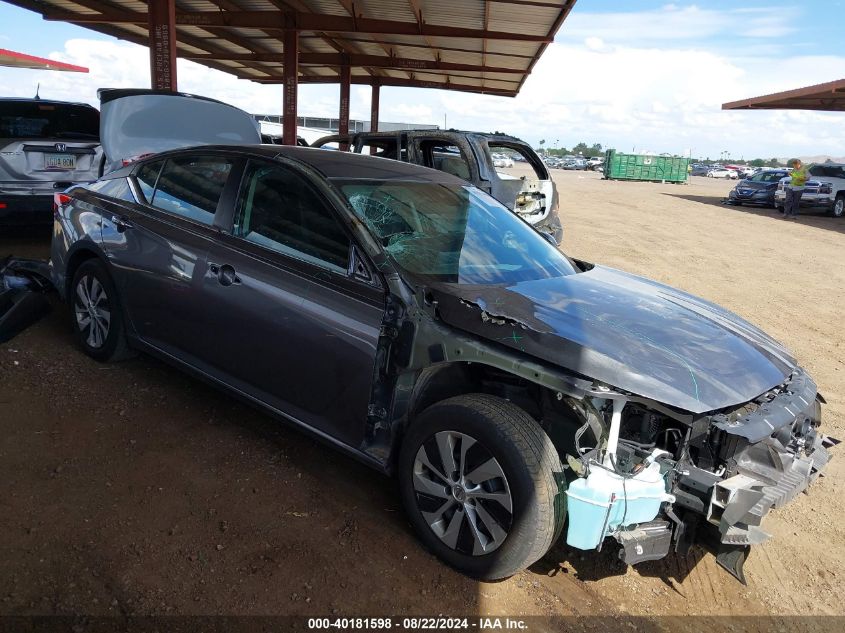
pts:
[46, 143]
[295, 322]
[159, 250]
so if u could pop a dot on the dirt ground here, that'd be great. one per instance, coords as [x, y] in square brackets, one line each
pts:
[133, 489]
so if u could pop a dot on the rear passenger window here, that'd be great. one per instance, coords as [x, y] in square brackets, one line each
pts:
[191, 186]
[279, 211]
[446, 158]
[147, 177]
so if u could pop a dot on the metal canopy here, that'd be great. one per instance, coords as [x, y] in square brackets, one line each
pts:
[479, 46]
[22, 60]
[827, 96]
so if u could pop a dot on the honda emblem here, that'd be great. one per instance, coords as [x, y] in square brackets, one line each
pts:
[61, 147]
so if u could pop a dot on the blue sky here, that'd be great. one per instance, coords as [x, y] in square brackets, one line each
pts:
[644, 74]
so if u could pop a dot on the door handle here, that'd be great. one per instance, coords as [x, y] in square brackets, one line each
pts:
[226, 274]
[121, 223]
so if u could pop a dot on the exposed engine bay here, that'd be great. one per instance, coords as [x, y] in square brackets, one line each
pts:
[656, 476]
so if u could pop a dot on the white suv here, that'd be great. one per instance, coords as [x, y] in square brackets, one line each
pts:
[834, 173]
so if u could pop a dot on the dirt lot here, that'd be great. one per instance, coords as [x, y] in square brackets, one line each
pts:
[133, 489]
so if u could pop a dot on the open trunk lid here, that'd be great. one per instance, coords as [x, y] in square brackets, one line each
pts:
[135, 123]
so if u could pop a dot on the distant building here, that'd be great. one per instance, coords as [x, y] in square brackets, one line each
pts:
[333, 125]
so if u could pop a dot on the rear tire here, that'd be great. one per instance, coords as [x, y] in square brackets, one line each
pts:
[482, 445]
[96, 313]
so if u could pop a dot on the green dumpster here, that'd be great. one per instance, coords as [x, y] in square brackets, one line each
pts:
[619, 166]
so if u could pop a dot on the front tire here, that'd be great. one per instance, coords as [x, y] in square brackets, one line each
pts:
[838, 209]
[97, 317]
[480, 480]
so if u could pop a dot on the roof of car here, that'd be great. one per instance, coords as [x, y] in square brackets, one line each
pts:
[346, 165]
[45, 101]
[493, 135]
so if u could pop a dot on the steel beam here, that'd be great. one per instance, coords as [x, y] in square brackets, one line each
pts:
[358, 61]
[374, 103]
[367, 80]
[162, 44]
[343, 118]
[291, 84]
[277, 20]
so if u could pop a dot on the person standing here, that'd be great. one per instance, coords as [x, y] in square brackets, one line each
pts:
[794, 188]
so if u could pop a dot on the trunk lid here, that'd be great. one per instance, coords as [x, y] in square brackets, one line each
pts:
[46, 145]
[137, 123]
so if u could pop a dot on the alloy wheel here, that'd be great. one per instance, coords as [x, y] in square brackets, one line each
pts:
[462, 493]
[839, 207]
[92, 310]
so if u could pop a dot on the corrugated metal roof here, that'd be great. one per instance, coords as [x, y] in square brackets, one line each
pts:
[473, 45]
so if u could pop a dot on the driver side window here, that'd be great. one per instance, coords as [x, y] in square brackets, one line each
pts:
[278, 210]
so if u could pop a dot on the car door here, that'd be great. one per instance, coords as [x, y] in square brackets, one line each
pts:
[158, 250]
[293, 326]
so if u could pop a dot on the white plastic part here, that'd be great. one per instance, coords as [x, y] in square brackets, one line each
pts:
[613, 435]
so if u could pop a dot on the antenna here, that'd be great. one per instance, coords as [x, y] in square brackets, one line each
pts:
[37, 90]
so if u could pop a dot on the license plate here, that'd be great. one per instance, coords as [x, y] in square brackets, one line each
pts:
[62, 162]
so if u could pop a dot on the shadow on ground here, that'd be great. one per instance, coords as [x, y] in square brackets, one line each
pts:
[818, 219]
[592, 565]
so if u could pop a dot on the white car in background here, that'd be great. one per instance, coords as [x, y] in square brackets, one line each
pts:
[502, 160]
[721, 172]
[833, 174]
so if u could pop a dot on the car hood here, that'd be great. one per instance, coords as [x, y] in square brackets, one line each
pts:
[135, 123]
[626, 331]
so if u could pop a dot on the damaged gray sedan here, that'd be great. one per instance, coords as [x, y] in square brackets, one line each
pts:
[414, 322]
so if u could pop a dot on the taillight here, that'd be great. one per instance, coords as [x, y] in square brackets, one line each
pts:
[59, 200]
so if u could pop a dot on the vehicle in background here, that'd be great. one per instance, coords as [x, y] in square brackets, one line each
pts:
[409, 319]
[758, 189]
[722, 172]
[700, 170]
[502, 160]
[45, 146]
[272, 133]
[576, 164]
[817, 195]
[469, 155]
[596, 163]
[833, 173]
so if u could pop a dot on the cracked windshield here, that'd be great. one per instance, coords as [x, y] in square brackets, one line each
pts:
[453, 233]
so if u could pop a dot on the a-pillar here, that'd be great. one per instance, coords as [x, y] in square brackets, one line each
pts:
[162, 26]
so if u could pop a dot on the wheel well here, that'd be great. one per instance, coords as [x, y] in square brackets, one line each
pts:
[554, 413]
[73, 264]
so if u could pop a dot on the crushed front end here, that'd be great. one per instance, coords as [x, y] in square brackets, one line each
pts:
[721, 473]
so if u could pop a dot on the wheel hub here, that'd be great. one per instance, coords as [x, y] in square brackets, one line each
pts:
[462, 493]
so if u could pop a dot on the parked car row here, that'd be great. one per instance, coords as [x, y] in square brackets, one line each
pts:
[732, 172]
[410, 319]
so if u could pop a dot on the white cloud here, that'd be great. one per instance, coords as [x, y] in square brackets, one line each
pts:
[671, 23]
[665, 97]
